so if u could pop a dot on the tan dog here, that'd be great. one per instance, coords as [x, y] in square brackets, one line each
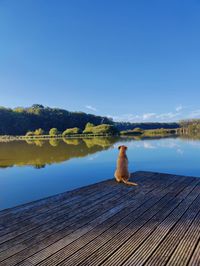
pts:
[122, 174]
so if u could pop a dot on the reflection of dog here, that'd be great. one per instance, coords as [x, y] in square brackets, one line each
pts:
[122, 174]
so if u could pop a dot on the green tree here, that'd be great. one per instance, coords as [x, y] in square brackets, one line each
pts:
[100, 129]
[71, 131]
[104, 129]
[53, 131]
[88, 128]
[88, 125]
[39, 132]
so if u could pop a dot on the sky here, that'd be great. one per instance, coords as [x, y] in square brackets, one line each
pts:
[132, 60]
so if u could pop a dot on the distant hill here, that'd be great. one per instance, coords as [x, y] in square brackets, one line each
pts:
[19, 120]
[149, 125]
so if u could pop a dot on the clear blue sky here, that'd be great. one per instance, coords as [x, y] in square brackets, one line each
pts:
[133, 60]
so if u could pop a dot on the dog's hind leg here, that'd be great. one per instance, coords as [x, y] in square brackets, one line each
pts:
[117, 178]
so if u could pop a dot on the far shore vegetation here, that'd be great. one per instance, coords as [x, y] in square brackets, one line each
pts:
[20, 120]
[187, 128]
[39, 122]
[90, 130]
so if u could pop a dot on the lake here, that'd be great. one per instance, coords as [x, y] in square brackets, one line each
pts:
[33, 170]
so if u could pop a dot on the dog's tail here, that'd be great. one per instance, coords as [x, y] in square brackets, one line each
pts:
[129, 183]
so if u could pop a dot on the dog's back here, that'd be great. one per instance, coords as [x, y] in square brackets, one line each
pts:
[122, 174]
[122, 165]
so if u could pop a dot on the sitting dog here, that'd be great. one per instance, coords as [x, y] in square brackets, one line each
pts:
[122, 174]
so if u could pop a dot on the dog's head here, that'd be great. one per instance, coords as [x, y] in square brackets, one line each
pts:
[122, 148]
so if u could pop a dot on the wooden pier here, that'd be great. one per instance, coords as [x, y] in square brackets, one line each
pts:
[155, 223]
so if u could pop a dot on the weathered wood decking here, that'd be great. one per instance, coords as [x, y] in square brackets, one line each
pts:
[155, 223]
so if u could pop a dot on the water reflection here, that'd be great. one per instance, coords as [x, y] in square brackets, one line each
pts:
[72, 141]
[54, 142]
[38, 153]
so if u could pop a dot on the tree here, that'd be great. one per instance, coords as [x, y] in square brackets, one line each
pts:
[88, 128]
[71, 131]
[19, 109]
[39, 132]
[88, 125]
[100, 129]
[30, 134]
[53, 131]
[104, 129]
[37, 106]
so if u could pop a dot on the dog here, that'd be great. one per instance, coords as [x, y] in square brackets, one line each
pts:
[122, 174]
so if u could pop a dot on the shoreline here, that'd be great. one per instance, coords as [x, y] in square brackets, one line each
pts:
[48, 137]
[4, 139]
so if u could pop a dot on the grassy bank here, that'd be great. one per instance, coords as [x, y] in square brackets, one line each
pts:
[149, 133]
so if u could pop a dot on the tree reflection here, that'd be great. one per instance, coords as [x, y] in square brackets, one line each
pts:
[39, 166]
[72, 141]
[54, 142]
[38, 153]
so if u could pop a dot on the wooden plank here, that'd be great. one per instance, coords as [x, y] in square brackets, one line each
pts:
[117, 242]
[168, 228]
[195, 258]
[37, 247]
[119, 237]
[100, 207]
[165, 249]
[63, 251]
[187, 245]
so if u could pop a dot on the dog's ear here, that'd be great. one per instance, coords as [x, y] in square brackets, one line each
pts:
[126, 147]
[119, 147]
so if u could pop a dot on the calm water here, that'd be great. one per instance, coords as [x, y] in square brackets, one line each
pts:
[30, 171]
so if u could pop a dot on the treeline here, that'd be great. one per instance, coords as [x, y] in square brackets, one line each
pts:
[20, 120]
[145, 126]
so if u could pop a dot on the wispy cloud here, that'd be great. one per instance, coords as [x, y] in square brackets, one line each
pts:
[152, 117]
[91, 108]
[147, 117]
[180, 112]
[148, 145]
[179, 108]
[195, 113]
[93, 157]
[167, 116]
